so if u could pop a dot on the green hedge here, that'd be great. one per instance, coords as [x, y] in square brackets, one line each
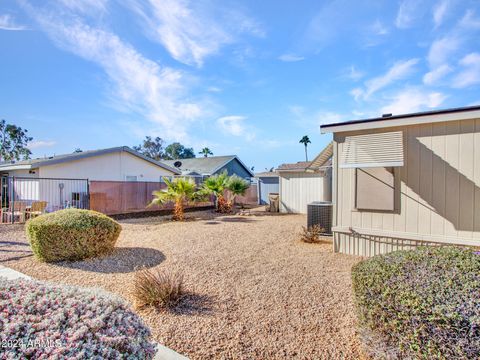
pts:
[72, 234]
[423, 303]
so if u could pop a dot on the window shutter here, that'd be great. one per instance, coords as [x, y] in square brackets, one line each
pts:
[373, 150]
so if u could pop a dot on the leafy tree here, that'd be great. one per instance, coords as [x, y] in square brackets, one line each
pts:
[176, 151]
[153, 148]
[13, 141]
[305, 141]
[205, 152]
[180, 191]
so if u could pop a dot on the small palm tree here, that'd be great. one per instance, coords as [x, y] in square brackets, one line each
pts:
[205, 152]
[216, 185]
[305, 141]
[237, 186]
[180, 191]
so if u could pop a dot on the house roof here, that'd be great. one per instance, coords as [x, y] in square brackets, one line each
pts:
[58, 159]
[389, 120]
[205, 165]
[298, 166]
[266, 174]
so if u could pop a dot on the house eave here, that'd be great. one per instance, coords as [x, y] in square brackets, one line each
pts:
[403, 120]
[14, 167]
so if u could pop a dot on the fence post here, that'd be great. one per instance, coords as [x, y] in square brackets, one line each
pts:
[12, 210]
[88, 194]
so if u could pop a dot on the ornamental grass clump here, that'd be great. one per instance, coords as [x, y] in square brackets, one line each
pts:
[420, 304]
[44, 321]
[160, 289]
[72, 234]
[312, 234]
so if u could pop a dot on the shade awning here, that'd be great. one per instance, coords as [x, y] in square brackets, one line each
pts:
[373, 150]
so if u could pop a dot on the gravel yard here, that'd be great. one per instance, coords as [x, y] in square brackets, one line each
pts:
[255, 291]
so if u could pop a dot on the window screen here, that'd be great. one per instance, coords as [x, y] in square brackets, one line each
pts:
[375, 189]
[130, 178]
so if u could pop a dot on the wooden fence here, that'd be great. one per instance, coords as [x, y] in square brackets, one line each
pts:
[120, 197]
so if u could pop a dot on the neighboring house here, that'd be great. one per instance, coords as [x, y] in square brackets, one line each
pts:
[406, 180]
[306, 181]
[208, 166]
[64, 180]
[113, 164]
[268, 183]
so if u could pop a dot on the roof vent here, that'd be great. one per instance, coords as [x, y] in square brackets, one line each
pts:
[386, 115]
[177, 164]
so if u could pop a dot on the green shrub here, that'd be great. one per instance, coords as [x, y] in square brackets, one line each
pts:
[72, 234]
[423, 303]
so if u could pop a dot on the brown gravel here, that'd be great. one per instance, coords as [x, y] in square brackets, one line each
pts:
[256, 292]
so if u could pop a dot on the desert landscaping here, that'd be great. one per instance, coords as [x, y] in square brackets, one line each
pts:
[253, 289]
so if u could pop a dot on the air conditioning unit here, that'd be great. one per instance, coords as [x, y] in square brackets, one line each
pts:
[320, 213]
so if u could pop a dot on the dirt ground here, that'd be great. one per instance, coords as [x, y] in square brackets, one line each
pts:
[255, 291]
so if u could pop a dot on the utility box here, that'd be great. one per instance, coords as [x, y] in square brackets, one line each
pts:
[320, 213]
[274, 200]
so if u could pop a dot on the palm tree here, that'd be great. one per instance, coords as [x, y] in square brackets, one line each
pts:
[237, 186]
[305, 141]
[216, 185]
[180, 191]
[205, 152]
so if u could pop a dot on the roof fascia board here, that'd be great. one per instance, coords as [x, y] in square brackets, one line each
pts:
[375, 124]
[10, 167]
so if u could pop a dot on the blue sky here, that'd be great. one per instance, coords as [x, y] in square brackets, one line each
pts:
[241, 77]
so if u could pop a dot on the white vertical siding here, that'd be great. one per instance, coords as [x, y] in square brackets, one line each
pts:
[438, 196]
[297, 189]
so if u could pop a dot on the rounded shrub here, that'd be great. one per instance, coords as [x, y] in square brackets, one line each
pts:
[423, 303]
[44, 321]
[72, 234]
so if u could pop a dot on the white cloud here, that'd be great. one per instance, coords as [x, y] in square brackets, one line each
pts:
[138, 84]
[354, 74]
[214, 89]
[8, 23]
[86, 6]
[290, 58]
[470, 75]
[413, 100]
[356, 93]
[41, 144]
[470, 21]
[439, 12]
[434, 76]
[398, 71]
[407, 13]
[235, 125]
[379, 29]
[442, 49]
[191, 31]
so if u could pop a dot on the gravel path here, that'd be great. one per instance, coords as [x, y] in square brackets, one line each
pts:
[256, 292]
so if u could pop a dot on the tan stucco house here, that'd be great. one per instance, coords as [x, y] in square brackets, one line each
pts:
[406, 180]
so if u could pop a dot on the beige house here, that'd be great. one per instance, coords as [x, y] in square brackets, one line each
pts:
[406, 180]
[305, 182]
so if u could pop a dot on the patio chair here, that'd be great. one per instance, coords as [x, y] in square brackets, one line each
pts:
[38, 208]
[19, 210]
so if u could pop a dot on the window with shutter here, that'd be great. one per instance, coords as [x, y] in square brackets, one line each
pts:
[373, 150]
